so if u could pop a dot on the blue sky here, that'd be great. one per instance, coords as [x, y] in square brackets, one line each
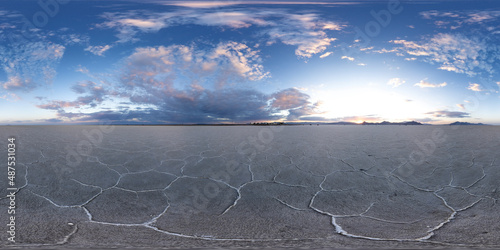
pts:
[178, 62]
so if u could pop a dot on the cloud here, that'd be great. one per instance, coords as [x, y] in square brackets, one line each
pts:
[426, 84]
[448, 114]
[474, 87]
[219, 4]
[18, 83]
[233, 19]
[95, 95]
[296, 102]
[347, 58]
[457, 19]
[174, 85]
[461, 106]
[325, 55]
[158, 67]
[244, 61]
[305, 31]
[198, 106]
[212, 4]
[11, 97]
[453, 52]
[396, 82]
[29, 65]
[98, 50]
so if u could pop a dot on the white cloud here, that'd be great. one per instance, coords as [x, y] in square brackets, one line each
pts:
[453, 52]
[326, 54]
[361, 64]
[157, 67]
[461, 106]
[396, 82]
[30, 65]
[98, 50]
[305, 31]
[347, 58]
[474, 87]
[219, 4]
[244, 60]
[426, 84]
[459, 18]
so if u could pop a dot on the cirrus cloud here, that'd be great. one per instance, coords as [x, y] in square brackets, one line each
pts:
[305, 31]
[453, 52]
[425, 84]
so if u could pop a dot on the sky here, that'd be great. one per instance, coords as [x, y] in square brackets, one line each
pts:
[238, 61]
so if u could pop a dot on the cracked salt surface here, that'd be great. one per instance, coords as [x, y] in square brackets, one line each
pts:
[331, 186]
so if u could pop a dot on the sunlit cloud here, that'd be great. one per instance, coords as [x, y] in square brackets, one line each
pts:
[396, 82]
[347, 58]
[453, 52]
[305, 31]
[326, 54]
[474, 87]
[426, 84]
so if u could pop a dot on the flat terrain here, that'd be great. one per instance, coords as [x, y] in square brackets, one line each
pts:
[253, 186]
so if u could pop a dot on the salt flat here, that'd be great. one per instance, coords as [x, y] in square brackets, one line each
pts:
[256, 186]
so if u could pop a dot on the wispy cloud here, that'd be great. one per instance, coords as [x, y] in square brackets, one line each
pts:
[425, 84]
[453, 52]
[457, 19]
[347, 58]
[98, 50]
[449, 114]
[30, 65]
[305, 31]
[219, 4]
[474, 87]
[326, 54]
[396, 82]
[11, 97]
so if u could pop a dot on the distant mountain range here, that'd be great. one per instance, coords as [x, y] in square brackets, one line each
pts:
[364, 123]
[392, 123]
[465, 123]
